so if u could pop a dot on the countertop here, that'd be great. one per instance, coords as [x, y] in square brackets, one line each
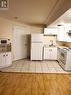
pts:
[47, 46]
[4, 51]
[54, 46]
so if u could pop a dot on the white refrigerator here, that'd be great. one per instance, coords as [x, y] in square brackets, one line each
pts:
[36, 47]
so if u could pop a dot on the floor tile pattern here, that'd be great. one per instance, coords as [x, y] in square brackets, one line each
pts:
[34, 67]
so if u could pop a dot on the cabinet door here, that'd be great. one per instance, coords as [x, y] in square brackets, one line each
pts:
[50, 31]
[61, 34]
[46, 53]
[8, 59]
[53, 53]
[67, 37]
[2, 60]
[36, 51]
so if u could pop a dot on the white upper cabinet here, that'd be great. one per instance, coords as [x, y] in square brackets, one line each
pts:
[63, 34]
[50, 31]
[68, 38]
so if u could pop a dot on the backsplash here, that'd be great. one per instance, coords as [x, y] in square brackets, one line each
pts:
[5, 47]
[48, 38]
[68, 44]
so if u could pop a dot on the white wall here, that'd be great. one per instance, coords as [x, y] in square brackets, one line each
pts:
[6, 28]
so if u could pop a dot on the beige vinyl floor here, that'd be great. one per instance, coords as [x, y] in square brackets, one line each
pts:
[28, 66]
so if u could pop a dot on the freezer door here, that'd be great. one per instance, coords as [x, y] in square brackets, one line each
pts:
[37, 38]
[36, 51]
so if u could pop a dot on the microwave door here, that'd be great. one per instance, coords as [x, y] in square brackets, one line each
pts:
[3, 41]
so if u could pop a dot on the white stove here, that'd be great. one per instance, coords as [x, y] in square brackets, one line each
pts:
[67, 49]
[65, 58]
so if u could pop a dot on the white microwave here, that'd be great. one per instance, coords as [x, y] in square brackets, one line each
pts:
[5, 41]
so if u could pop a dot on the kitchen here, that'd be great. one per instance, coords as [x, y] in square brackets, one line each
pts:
[48, 46]
[34, 55]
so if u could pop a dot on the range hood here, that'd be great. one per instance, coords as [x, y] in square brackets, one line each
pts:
[69, 33]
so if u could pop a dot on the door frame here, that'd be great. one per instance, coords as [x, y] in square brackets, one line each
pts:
[14, 26]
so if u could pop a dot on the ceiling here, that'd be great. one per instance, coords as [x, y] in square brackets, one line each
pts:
[63, 20]
[35, 12]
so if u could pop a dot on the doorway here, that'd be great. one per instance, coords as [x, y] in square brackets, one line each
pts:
[21, 43]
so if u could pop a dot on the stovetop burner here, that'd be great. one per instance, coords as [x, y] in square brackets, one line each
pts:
[67, 49]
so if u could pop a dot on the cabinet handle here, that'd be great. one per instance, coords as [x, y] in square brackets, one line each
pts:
[50, 49]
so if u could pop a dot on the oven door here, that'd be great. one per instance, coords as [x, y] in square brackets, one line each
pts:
[62, 57]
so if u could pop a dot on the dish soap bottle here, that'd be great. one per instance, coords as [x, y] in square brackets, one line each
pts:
[51, 43]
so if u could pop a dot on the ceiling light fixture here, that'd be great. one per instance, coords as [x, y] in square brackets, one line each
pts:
[16, 17]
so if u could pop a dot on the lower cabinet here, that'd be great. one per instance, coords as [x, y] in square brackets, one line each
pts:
[50, 53]
[5, 59]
